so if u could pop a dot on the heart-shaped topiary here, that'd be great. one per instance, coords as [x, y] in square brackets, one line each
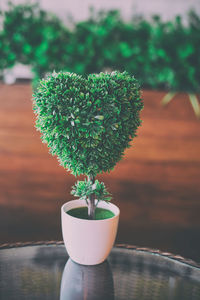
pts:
[88, 122]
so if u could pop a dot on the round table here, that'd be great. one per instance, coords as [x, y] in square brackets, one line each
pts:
[44, 271]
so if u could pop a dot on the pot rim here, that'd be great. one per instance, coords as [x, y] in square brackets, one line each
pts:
[114, 208]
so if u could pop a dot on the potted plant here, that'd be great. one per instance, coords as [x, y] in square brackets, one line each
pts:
[87, 122]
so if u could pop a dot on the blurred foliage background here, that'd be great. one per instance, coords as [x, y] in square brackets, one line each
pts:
[162, 55]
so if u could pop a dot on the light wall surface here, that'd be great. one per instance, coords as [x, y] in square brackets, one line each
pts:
[79, 9]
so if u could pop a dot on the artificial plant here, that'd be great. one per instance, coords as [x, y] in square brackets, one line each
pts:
[87, 122]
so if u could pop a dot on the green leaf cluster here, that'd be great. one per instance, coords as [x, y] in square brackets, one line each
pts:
[88, 122]
[162, 55]
[84, 189]
[32, 36]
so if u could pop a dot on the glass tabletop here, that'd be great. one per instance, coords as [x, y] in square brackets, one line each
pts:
[45, 271]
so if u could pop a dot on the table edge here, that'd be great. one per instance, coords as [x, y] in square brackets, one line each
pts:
[169, 255]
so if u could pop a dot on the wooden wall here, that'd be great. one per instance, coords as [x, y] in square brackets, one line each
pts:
[156, 185]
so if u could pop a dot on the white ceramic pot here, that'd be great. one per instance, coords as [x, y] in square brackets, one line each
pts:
[89, 242]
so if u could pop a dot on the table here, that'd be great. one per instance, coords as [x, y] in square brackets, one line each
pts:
[44, 271]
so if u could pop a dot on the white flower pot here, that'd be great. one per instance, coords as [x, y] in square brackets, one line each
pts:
[89, 242]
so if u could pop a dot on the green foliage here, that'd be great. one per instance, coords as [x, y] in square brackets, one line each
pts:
[105, 41]
[173, 49]
[84, 189]
[33, 36]
[162, 55]
[88, 121]
[21, 30]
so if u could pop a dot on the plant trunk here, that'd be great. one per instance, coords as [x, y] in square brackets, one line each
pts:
[91, 202]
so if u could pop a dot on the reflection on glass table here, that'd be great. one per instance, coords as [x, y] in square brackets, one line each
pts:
[87, 282]
[44, 271]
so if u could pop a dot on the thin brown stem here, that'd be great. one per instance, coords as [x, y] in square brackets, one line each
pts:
[91, 201]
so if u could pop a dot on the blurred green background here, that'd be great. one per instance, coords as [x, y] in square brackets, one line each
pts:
[162, 55]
